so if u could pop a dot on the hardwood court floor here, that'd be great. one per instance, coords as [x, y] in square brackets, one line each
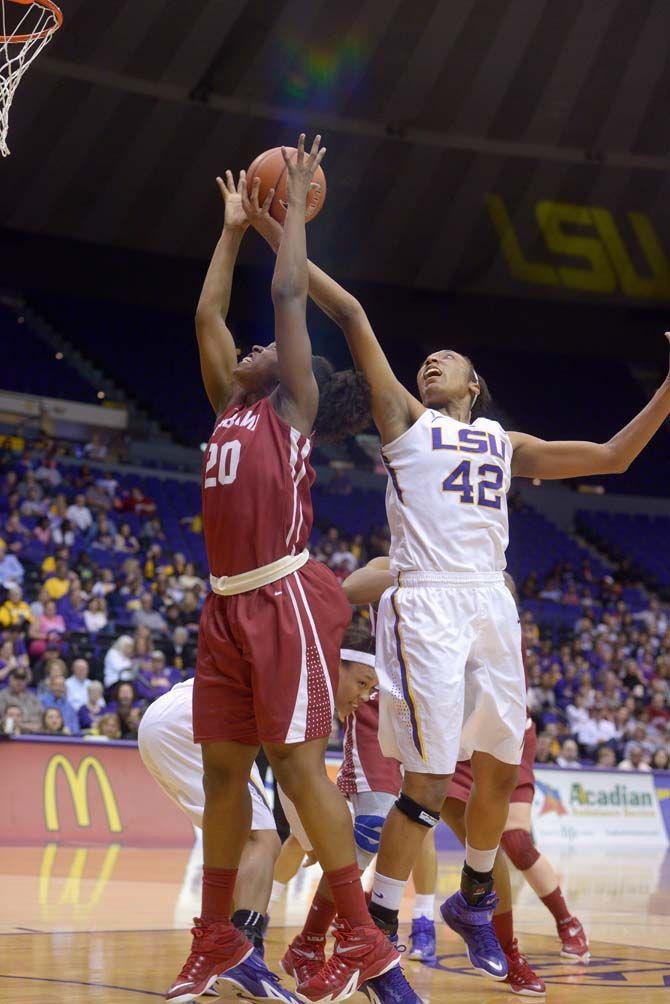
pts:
[86, 926]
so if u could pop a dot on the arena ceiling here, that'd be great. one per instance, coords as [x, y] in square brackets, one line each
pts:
[458, 131]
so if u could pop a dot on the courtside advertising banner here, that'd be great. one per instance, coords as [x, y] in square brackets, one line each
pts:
[597, 808]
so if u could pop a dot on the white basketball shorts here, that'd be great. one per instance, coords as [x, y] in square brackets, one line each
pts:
[166, 746]
[369, 809]
[450, 671]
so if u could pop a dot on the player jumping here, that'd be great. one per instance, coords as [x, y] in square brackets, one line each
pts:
[269, 637]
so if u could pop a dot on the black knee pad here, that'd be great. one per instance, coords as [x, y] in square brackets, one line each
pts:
[417, 813]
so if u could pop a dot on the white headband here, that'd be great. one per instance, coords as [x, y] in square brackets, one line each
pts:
[350, 655]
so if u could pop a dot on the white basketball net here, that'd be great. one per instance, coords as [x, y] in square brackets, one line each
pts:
[17, 52]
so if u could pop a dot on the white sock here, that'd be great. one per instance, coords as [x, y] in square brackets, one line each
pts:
[388, 892]
[278, 888]
[480, 861]
[424, 906]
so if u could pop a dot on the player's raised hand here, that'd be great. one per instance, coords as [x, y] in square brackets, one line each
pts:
[235, 217]
[301, 170]
[259, 215]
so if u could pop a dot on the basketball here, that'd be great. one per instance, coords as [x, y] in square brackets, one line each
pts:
[271, 170]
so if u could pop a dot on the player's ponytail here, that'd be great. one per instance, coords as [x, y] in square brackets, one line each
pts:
[344, 401]
[483, 403]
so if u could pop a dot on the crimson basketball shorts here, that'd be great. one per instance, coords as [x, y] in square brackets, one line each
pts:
[268, 661]
[460, 785]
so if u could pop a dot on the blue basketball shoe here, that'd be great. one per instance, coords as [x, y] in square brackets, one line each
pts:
[255, 979]
[475, 926]
[422, 941]
[390, 988]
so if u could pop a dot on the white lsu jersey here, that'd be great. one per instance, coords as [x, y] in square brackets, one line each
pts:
[446, 498]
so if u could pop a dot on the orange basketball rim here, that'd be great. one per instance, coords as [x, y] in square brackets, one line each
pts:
[23, 35]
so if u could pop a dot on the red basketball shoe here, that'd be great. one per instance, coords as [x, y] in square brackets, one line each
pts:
[361, 953]
[574, 943]
[304, 957]
[521, 978]
[216, 948]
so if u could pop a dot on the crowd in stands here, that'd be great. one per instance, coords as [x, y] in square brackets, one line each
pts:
[601, 695]
[99, 616]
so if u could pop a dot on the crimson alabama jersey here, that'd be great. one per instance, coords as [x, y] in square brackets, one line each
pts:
[365, 768]
[256, 481]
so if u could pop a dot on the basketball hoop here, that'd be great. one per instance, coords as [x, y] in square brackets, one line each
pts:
[19, 45]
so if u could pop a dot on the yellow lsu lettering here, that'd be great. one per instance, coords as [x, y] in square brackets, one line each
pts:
[610, 267]
[77, 783]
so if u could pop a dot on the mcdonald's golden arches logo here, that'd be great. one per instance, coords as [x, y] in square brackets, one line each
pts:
[77, 779]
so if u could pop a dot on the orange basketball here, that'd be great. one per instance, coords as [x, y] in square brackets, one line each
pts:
[271, 170]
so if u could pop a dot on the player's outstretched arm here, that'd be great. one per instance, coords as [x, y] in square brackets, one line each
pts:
[218, 356]
[536, 458]
[297, 397]
[393, 407]
[366, 585]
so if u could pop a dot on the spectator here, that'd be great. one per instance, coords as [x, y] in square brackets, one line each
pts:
[17, 693]
[58, 584]
[11, 569]
[95, 615]
[79, 514]
[119, 661]
[125, 698]
[49, 627]
[635, 760]
[606, 758]
[15, 612]
[190, 615]
[72, 608]
[42, 531]
[544, 753]
[33, 504]
[108, 728]
[146, 616]
[569, 754]
[577, 713]
[15, 535]
[53, 723]
[189, 579]
[136, 501]
[95, 449]
[12, 720]
[182, 651]
[105, 584]
[94, 707]
[598, 729]
[48, 474]
[156, 679]
[152, 532]
[125, 542]
[660, 760]
[55, 697]
[8, 659]
[76, 685]
[63, 534]
[133, 720]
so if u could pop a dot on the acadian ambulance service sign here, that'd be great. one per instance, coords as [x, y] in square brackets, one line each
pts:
[581, 806]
